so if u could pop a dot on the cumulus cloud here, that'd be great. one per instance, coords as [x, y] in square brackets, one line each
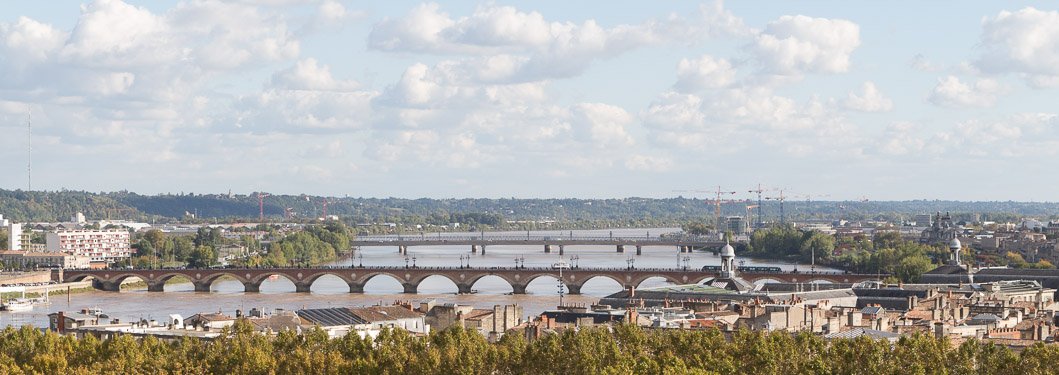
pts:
[794, 45]
[705, 72]
[603, 124]
[1024, 42]
[869, 99]
[308, 74]
[951, 92]
[530, 47]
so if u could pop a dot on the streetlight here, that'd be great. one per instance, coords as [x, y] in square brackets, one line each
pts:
[405, 261]
[562, 287]
[687, 260]
[631, 261]
[413, 261]
[360, 257]
[575, 258]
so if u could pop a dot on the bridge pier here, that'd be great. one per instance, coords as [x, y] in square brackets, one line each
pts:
[639, 250]
[474, 249]
[108, 286]
[483, 249]
[518, 288]
[156, 286]
[251, 287]
[201, 286]
[302, 287]
[356, 288]
[561, 249]
[410, 288]
[547, 249]
[621, 248]
[464, 288]
[402, 249]
[574, 288]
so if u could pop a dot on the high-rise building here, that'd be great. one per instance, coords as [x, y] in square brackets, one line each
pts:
[14, 236]
[737, 224]
[99, 245]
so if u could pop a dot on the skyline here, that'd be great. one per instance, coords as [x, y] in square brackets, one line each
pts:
[532, 99]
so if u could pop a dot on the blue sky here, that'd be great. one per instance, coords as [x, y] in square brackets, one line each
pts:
[838, 99]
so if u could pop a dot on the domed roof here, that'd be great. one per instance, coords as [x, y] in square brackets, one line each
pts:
[955, 243]
[727, 251]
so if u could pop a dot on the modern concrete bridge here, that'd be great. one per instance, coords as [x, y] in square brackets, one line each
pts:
[548, 243]
[411, 277]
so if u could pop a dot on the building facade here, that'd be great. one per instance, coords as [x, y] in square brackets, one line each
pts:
[23, 259]
[99, 245]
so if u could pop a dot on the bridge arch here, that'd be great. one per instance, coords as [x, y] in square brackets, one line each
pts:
[362, 281]
[572, 288]
[443, 284]
[653, 281]
[205, 282]
[487, 277]
[595, 280]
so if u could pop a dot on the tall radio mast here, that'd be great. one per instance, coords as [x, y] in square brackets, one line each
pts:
[29, 149]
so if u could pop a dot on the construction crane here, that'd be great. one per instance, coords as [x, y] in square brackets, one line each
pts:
[760, 205]
[716, 202]
[326, 202]
[780, 198]
[261, 206]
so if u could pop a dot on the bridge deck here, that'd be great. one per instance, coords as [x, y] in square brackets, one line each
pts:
[411, 277]
[531, 240]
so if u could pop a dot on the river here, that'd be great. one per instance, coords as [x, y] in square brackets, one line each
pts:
[329, 291]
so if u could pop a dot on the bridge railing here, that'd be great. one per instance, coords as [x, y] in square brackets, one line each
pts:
[392, 238]
[489, 268]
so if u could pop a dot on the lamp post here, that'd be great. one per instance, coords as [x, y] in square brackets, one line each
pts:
[687, 261]
[413, 261]
[631, 263]
[405, 261]
[562, 287]
[574, 259]
[360, 257]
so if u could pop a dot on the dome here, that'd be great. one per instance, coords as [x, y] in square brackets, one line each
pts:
[727, 251]
[955, 243]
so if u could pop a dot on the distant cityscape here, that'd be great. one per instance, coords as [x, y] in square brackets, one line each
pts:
[988, 280]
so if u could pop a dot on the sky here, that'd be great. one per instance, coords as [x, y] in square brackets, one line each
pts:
[539, 99]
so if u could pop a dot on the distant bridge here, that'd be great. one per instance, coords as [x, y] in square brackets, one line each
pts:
[480, 242]
[411, 277]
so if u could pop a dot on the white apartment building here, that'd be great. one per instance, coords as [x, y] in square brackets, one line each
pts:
[99, 245]
[14, 236]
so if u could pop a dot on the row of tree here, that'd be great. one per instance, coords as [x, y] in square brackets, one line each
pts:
[623, 350]
[313, 245]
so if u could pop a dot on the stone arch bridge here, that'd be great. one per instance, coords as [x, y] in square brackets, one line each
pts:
[411, 277]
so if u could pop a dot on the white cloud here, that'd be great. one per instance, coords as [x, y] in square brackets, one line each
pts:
[1024, 42]
[951, 92]
[308, 74]
[705, 72]
[533, 48]
[604, 124]
[794, 45]
[869, 99]
[648, 163]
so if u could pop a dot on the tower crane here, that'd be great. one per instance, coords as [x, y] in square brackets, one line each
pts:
[760, 206]
[780, 198]
[716, 202]
[261, 205]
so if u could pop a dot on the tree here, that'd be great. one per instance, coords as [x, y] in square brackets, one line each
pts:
[203, 256]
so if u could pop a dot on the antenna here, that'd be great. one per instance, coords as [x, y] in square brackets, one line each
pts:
[29, 148]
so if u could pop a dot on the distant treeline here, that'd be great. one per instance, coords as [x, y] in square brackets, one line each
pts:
[625, 350]
[493, 213]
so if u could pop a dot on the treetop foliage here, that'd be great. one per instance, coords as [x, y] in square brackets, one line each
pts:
[621, 350]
